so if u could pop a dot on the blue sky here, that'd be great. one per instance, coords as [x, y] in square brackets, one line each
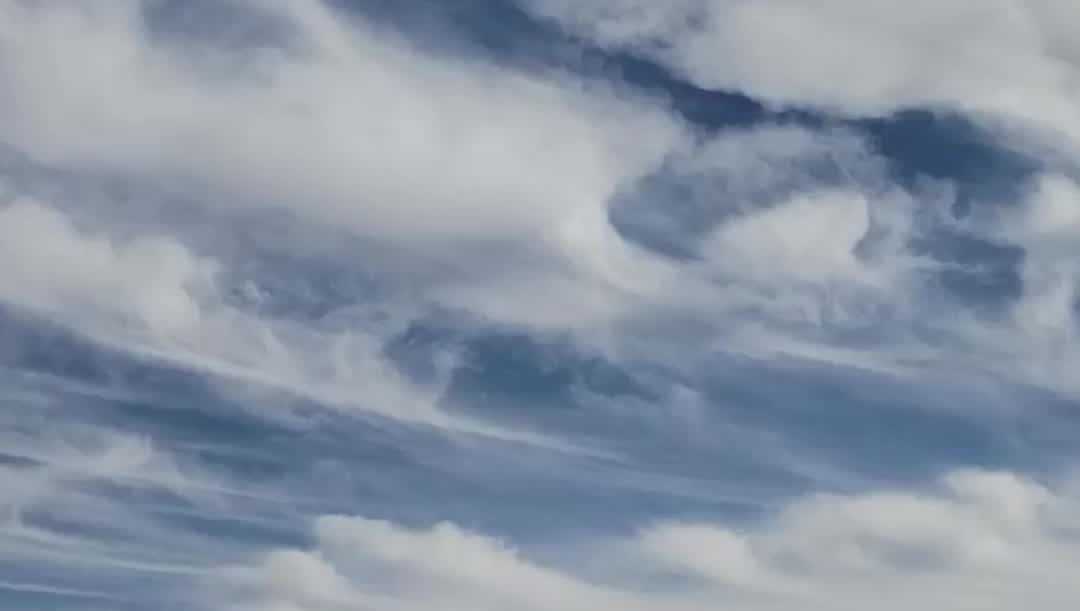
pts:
[315, 305]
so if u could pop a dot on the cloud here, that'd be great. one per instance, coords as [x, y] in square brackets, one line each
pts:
[152, 298]
[68, 490]
[141, 291]
[153, 283]
[812, 238]
[1015, 62]
[698, 270]
[339, 122]
[1039, 331]
[486, 178]
[62, 465]
[476, 186]
[362, 564]
[987, 540]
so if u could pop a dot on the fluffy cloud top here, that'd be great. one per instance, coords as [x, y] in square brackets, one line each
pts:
[980, 540]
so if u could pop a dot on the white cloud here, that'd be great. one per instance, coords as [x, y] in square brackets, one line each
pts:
[362, 564]
[491, 188]
[980, 540]
[152, 283]
[802, 260]
[491, 184]
[1018, 61]
[345, 124]
[488, 188]
[55, 513]
[446, 160]
[811, 238]
[154, 298]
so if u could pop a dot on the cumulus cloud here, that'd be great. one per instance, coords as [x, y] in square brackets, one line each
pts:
[363, 564]
[933, 549]
[986, 540]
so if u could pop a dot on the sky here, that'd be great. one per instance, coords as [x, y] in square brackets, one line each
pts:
[545, 305]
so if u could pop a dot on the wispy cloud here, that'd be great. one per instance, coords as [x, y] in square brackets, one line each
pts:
[1014, 62]
[268, 261]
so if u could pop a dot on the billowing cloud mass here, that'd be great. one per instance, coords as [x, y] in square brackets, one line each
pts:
[979, 540]
[539, 304]
[340, 121]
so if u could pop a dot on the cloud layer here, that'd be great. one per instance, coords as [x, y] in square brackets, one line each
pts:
[561, 342]
[979, 540]
[1010, 61]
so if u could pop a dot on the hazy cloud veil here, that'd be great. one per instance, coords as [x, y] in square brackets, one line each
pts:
[317, 305]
